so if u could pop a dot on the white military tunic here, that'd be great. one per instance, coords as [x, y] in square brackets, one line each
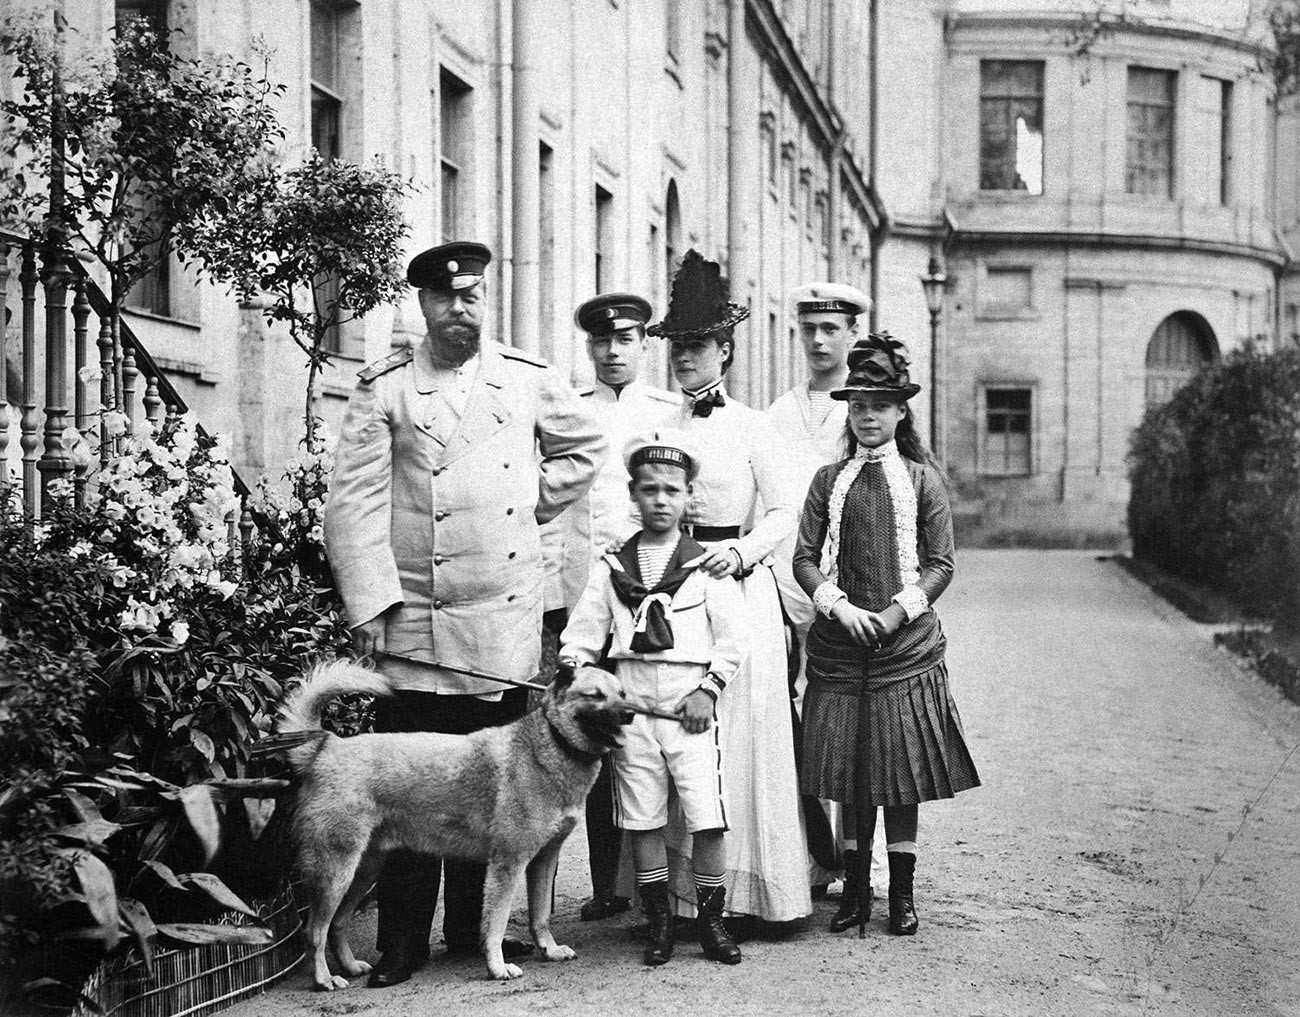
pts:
[440, 482]
[605, 514]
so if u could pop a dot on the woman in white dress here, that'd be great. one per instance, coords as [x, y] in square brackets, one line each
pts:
[742, 507]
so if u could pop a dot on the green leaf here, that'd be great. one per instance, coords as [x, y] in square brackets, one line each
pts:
[135, 916]
[96, 881]
[209, 884]
[201, 810]
[53, 994]
[91, 834]
[164, 873]
[86, 809]
[203, 743]
[200, 935]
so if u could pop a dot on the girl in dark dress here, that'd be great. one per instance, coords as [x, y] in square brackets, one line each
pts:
[875, 551]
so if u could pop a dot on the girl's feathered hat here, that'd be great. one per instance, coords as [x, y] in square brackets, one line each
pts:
[700, 304]
[878, 363]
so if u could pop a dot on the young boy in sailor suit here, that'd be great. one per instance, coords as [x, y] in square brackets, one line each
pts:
[678, 637]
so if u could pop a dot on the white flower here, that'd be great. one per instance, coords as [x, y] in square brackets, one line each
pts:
[90, 373]
[115, 423]
[180, 632]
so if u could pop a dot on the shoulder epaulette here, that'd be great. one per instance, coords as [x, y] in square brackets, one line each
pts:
[587, 390]
[391, 362]
[512, 353]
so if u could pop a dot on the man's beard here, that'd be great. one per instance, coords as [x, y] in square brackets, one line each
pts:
[454, 341]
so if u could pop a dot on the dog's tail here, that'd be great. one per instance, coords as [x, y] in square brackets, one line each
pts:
[300, 714]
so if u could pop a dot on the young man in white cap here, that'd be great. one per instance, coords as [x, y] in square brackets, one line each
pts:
[813, 423]
[616, 342]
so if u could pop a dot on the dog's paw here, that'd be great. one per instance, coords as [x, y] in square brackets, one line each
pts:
[356, 968]
[505, 972]
[559, 953]
[331, 983]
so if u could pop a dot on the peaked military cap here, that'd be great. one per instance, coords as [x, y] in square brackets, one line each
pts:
[610, 312]
[828, 296]
[878, 363]
[454, 266]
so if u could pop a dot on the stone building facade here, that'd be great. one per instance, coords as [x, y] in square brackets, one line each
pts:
[1110, 189]
[1099, 192]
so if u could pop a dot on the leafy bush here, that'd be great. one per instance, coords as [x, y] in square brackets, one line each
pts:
[1216, 482]
[142, 659]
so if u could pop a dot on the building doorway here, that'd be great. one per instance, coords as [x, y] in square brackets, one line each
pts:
[1181, 345]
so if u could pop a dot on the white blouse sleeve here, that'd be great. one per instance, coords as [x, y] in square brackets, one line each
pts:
[770, 461]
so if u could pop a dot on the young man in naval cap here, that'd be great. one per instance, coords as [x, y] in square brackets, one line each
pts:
[614, 324]
[452, 453]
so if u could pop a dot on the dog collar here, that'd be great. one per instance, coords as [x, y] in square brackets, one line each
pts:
[571, 750]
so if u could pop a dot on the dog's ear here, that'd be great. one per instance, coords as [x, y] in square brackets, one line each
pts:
[564, 674]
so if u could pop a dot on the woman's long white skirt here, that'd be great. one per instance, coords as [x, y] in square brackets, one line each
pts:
[767, 856]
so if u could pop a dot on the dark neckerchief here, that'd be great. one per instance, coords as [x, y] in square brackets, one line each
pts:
[569, 749]
[631, 590]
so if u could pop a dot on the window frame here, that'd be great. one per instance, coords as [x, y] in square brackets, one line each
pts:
[985, 463]
[987, 96]
[987, 310]
[1170, 191]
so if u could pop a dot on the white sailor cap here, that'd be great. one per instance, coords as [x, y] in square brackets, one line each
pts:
[840, 298]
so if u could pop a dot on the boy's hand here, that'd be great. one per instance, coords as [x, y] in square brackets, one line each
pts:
[861, 625]
[696, 711]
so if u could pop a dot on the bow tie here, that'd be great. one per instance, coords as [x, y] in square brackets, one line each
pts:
[704, 405]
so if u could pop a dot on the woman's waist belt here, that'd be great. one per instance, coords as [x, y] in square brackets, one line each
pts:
[711, 533]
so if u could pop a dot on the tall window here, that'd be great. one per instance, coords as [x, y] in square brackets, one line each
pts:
[604, 236]
[1006, 431]
[1218, 155]
[672, 238]
[1150, 161]
[152, 11]
[546, 246]
[1011, 125]
[453, 153]
[326, 100]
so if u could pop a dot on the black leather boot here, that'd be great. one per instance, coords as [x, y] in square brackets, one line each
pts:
[855, 904]
[654, 899]
[902, 910]
[717, 942]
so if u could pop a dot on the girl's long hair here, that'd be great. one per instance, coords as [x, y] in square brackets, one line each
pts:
[910, 444]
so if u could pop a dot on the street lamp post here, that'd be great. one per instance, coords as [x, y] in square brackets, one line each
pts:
[934, 282]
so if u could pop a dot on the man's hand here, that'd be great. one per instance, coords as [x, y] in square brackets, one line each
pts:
[368, 637]
[861, 625]
[696, 711]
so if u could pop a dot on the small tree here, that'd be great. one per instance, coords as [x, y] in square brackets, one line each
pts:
[323, 241]
[120, 150]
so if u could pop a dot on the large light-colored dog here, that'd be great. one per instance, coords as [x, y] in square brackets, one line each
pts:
[506, 795]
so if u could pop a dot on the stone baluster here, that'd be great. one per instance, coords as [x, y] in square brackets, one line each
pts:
[152, 401]
[107, 397]
[173, 415]
[55, 462]
[80, 316]
[232, 531]
[28, 277]
[129, 374]
[245, 525]
[4, 404]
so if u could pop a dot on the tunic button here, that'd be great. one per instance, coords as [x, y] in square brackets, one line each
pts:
[437, 470]
[437, 605]
[438, 559]
[510, 511]
[439, 516]
[511, 554]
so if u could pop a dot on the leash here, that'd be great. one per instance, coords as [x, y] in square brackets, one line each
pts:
[632, 704]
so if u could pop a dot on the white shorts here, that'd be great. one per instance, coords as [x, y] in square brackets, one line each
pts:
[657, 752]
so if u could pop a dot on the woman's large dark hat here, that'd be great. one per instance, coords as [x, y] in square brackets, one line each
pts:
[878, 363]
[700, 304]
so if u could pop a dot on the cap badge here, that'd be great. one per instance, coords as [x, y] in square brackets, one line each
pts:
[452, 266]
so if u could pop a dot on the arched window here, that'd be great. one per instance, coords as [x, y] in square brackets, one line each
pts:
[672, 237]
[1180, 346]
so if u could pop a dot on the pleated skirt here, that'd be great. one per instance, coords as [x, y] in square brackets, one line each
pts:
[897, 744]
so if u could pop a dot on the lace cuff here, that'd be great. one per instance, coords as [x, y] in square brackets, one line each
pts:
[826, 597]
[913, 601]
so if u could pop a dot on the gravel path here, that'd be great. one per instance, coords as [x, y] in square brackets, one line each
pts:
[1133, 850]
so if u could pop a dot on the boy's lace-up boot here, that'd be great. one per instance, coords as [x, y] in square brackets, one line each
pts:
[654, 899]
[902, 910]
[717, 942]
